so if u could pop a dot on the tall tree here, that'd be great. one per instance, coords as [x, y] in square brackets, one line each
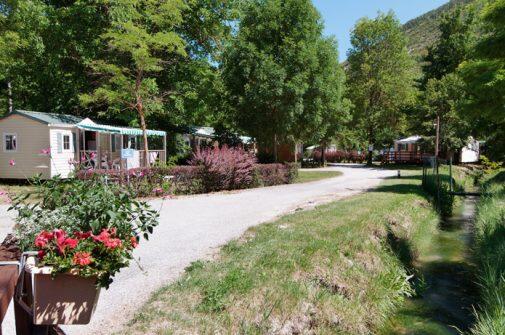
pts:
[141, 31]
[442, 101]
[21, 50]
[381, 76]
[484, 75]
[456, 34]
[278, 70]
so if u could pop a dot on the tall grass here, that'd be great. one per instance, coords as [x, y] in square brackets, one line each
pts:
[490, 254]
[442, 197]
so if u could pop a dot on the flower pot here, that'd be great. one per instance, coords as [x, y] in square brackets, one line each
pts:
[64, 299]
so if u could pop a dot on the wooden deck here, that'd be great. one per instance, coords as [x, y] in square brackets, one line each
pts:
[404, 157]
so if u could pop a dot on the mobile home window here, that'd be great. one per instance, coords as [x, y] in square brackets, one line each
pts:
[10, 142]
[66, 142]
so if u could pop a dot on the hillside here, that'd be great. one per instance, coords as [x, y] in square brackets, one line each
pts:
[423, 30]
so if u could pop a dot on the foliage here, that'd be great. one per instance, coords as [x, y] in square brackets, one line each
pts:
[224, 168]
[443, 98]
[339, 156]
[488, 164]
[452, 47]
[52, 44]
[275, 174]
[381, 78]
[283, 77]
[490, 254]
[65, 208]
[141, 31]
[484, 76]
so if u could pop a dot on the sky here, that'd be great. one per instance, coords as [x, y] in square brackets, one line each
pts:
[340, 15]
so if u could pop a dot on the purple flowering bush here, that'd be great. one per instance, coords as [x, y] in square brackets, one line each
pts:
[224, 168]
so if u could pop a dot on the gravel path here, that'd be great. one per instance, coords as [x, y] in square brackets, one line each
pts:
[194, 227]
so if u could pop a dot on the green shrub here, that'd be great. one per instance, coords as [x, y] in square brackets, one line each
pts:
[488, 164]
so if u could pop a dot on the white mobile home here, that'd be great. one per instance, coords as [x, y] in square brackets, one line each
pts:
[52, 144]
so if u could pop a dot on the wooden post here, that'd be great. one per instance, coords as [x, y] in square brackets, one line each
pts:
[437, 136]
[165, 149]
[98, 151]
[450, 175]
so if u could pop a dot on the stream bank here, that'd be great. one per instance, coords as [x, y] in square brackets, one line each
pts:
[445, 286]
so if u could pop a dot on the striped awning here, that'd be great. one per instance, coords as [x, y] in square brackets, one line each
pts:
[87, 124]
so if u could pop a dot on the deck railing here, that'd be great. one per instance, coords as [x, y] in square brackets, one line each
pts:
[405, 157]
[154, 156]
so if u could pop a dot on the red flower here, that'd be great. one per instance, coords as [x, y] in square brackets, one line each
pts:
[103, 236]
[59, 235]
[71, 243]
[42, 239]
[82, 258]
[41, 254]
[133, 241]
[12, 162]
[112, 243]
[81, 235]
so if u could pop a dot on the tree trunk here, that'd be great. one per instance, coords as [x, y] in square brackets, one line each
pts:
[369, 159]
[275, 148]
[296, 152]
[323, 154]
[9, 97]
[140, 111]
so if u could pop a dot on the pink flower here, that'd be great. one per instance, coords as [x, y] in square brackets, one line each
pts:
[46, 151]
[133, 241]
[112, 243]
[43, 238]
[103, 236]
[71, 243]
[82, 258]
[158, 190]
[12, 162]
[92, 155]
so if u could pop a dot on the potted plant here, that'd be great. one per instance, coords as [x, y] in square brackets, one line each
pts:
[83, 232]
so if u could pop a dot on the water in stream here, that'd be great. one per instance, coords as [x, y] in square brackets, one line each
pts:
[445, 303]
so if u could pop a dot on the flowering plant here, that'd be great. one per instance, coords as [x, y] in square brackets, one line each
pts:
[84, 253]
[85, 227]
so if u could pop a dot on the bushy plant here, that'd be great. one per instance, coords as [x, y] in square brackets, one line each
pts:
[489, 164]
[224, 168]
[88, 227]
[276, 174]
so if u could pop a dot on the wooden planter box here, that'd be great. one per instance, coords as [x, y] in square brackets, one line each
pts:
[65, 299]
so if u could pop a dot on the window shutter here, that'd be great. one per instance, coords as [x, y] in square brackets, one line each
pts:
[74, 141]
[59, 142]
[113, 142]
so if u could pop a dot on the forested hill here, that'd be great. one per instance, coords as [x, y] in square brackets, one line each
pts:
[423, 30]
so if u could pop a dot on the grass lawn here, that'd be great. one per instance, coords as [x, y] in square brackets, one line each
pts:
[336, 269]
[13, 189]
[305, 176]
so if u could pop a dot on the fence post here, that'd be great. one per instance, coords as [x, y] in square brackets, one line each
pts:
[438, 183]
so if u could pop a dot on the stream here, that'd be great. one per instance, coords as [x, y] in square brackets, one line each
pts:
[447, 288]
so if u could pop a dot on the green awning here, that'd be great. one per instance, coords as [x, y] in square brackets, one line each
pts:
[118, 130]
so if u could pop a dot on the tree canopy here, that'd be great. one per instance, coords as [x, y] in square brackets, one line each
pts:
[283, 77]
[381, 76]
[484, 75]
